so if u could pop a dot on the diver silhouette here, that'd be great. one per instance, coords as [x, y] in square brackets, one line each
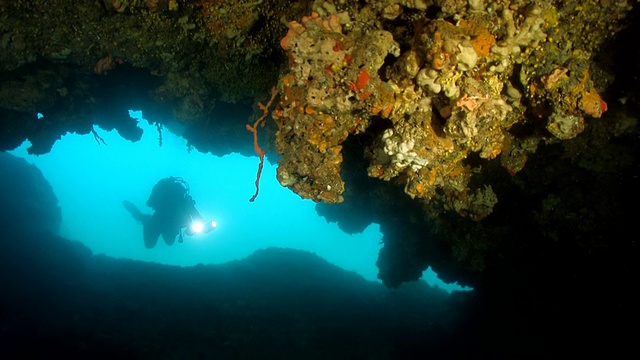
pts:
[174, 210]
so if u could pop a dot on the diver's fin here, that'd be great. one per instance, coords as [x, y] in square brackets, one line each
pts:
[151, 232]
[169, 236]
[135, 212]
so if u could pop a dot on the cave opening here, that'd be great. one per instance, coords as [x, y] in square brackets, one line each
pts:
[91, 179]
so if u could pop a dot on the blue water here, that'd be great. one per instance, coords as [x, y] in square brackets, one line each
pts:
[91, 180]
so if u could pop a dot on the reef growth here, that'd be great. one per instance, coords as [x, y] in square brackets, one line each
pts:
[449, 88]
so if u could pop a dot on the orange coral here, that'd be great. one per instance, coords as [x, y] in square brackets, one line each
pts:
[482, 43]
[592, 104]
[295, 29]
[361, 83]
[440, 60]
[119, 6]
[363, 78]
[332, 23]
[157, 5]
[105, 64]
[254, 129]
[384, 102]
[363, 96]
[482, 40]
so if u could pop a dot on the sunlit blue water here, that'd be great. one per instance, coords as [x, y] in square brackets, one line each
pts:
[91, 180]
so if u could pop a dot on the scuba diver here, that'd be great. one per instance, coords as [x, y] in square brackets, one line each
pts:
[174, 211]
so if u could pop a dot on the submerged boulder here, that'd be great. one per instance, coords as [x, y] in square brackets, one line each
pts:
[28, 201]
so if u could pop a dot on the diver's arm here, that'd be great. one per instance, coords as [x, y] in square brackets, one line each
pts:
[135, 212]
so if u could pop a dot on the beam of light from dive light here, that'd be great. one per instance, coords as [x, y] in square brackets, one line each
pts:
[197, 227]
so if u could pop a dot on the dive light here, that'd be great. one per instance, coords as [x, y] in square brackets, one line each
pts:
[199, 227]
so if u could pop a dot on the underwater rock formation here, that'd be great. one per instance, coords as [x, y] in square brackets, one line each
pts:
[446, 90]
[28, 201]
[450, 101]
[168, 53]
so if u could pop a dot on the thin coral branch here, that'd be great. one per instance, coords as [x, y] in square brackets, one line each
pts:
[256, 147]
[159, 128]
[97, 137]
